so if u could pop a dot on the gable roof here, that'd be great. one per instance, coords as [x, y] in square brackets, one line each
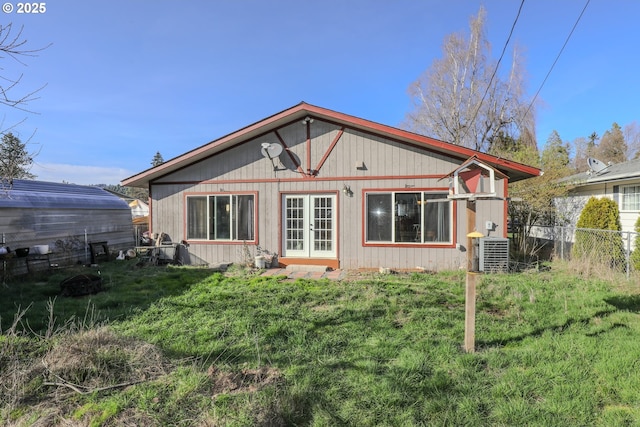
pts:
[52, 195]
[515, 171]
[614, 172]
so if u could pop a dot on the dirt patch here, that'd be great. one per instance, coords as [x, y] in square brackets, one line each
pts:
[244, 381]
[98, 358]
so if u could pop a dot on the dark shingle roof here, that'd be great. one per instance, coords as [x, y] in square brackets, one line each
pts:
[614, 172]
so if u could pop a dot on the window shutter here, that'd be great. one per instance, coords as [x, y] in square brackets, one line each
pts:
[616, 195]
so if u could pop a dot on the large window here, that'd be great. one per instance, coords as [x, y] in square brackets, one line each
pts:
[221, 217]
[631, 198]
[402, 217]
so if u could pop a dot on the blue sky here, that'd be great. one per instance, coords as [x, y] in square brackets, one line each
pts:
[125, 79]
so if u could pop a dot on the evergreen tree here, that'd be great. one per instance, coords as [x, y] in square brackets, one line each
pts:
[555, 155]
[635, 255]
[596, 240]
[157, 159]
[15, 160]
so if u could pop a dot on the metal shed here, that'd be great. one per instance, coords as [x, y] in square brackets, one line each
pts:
[65, 217]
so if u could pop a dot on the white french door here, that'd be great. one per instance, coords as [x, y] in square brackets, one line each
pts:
[309, 225]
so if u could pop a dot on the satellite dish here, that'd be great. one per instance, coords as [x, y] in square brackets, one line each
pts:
[595, 165]
[271, 150]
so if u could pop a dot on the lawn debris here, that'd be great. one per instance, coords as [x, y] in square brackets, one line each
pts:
[81, 284]
[99, 360]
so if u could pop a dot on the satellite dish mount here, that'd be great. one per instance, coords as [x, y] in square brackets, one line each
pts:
[272, 150]
[596, 167]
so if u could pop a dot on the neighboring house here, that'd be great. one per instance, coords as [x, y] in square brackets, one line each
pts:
[139, 214]
[138, 208]
[65, 217]
[619, 182]
[320, 187]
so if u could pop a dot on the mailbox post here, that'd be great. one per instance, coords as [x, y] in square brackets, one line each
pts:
[470, 290]
[471, 181]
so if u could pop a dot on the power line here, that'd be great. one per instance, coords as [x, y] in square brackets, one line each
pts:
[557, 58]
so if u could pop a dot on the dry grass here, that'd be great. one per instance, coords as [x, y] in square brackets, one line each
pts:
[244, 381]
[45, 373]
[590, 269]
[98, 359]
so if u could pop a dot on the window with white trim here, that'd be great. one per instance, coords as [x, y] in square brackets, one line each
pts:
[221, 217]
[408, 217]
[631, 198]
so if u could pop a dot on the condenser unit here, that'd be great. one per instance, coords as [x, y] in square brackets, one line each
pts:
[494, 254]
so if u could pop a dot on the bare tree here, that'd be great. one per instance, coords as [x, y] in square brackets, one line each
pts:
[632, 136]
[612, 147]
[582, 152]
[15, 159]
[461, 98]
[13, 45]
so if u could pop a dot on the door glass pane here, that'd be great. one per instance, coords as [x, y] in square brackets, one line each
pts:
[322, 224]
[294, 217]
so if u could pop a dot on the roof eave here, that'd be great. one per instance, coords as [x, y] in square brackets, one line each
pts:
[515, 171]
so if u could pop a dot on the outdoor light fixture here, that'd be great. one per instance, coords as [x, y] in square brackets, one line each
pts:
[307, 120]
[347, 190]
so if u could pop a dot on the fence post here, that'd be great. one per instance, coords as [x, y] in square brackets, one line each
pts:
[562, 243]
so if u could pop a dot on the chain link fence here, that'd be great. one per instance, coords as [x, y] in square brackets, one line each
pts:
[596, 248]
[20, 257]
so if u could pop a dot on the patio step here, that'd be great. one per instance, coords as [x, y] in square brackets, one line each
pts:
[309, 268]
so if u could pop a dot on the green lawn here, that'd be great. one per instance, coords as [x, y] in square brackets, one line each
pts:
[190, 347]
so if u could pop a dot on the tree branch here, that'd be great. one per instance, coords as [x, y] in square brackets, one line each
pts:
[85, 390]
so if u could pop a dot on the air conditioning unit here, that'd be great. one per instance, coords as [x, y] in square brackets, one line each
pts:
[494, 255]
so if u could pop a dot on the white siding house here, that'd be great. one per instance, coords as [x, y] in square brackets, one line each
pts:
[619, 182]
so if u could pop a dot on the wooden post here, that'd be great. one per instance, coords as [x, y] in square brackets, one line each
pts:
[471, 226]
[470, 288]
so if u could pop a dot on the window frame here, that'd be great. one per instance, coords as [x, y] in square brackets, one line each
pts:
[393, 242]
[624, 196]
[210, 229]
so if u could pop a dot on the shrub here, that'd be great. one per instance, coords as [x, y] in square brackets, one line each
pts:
[635, 255]
[595, 244]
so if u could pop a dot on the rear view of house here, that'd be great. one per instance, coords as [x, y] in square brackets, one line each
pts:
[320, 187]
